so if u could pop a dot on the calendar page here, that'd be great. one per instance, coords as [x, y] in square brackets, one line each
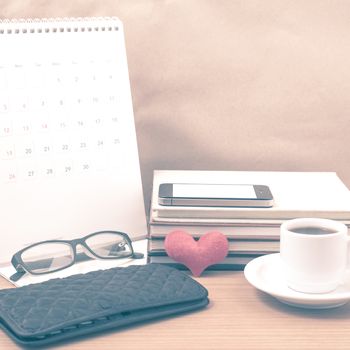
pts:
[68, 153]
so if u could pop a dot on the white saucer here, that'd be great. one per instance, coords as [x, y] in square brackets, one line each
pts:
[265, 273]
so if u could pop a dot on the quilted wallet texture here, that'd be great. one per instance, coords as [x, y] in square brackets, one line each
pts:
[44, 313]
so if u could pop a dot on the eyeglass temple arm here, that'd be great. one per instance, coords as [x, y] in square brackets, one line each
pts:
[136, 255]
[19, 270]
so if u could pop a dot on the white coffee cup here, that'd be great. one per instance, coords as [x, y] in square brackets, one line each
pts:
[314, 254]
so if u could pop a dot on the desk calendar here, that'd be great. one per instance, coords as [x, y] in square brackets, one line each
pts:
[68, 151]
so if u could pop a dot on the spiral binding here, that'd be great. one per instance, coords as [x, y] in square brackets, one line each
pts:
[58, 25]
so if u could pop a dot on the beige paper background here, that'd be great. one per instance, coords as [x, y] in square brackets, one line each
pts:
[231, 85]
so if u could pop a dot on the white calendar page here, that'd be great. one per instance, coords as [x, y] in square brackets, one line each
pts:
[68, 154]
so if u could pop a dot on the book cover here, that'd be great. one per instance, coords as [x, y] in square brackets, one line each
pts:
[296, 194]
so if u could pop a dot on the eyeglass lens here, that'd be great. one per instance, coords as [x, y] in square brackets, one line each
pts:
[53, 256]
[48, 257]
[109, 245]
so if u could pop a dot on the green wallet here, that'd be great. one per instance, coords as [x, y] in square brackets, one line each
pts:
[59, 309]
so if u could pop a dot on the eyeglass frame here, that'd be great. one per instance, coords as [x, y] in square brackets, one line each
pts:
[20, 265]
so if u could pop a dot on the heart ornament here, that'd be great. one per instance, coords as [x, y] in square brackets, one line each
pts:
[210, 249]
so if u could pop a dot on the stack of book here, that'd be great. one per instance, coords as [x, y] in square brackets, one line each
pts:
[251, 231]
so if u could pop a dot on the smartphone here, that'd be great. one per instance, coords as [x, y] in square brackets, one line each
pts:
[215, 195]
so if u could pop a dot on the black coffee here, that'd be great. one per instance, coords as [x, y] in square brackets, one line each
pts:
[307, 230]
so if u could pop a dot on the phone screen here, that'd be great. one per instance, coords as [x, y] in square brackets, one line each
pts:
[213, 191]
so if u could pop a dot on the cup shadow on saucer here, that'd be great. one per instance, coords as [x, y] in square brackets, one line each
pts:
[341, 312]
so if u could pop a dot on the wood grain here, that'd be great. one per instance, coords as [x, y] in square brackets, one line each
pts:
[238, 317]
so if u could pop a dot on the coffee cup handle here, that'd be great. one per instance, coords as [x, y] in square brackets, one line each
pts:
[347, 270]
[348, 252]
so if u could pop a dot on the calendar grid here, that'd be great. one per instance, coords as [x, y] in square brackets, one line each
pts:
[40, 121]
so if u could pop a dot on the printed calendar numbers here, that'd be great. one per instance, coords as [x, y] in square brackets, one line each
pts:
[64, 167]
[30, 173]
[25, 128]
[80, 123]
[6, 130]
[25, 148]
[114, 121]
[47, 169]
[9, 172]
[6, 127]
[83, 165]
[78, 101]
[55, 77]
[83, 145]
[7, 151]
[44, 126]
[47, 130]
[22, 127]
[21, 105]
[4, 104]
[62, 125]
[27, 171]
[65, 147]
[3, 107]
[112, 99]
[68, 169]
[95, 100]
[11, 176]
[44, 146]
[38, 102]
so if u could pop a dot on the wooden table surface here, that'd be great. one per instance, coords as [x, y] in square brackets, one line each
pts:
[238, 317]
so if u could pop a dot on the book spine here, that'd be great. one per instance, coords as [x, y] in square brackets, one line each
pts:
[231, 232]
[156, 245]
[191, 213]
[216, 267]
[163, 253]
[213, 221]
[229, 263]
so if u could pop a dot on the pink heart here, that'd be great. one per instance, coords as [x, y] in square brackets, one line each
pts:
[210, 249]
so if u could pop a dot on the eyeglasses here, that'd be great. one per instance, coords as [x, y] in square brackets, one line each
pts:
[55, 255]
